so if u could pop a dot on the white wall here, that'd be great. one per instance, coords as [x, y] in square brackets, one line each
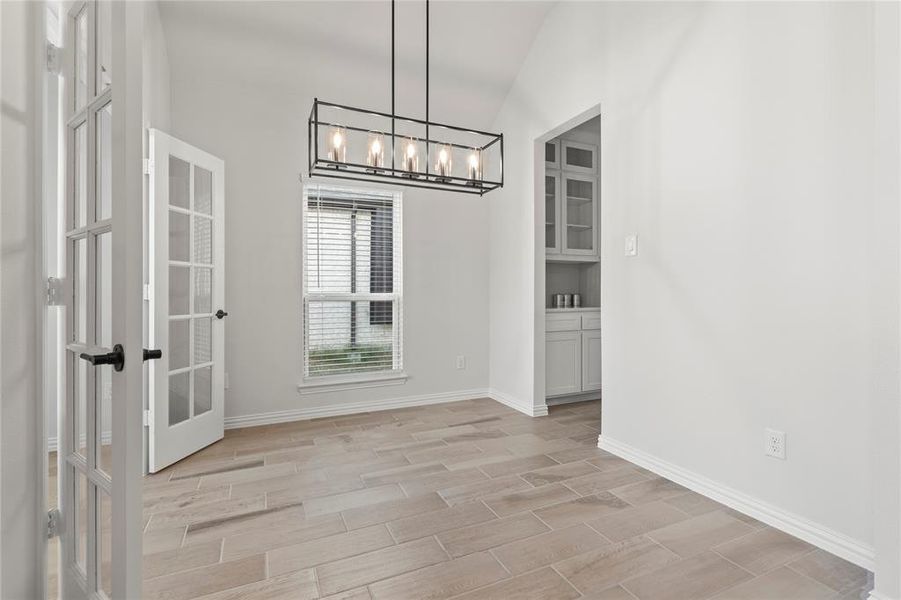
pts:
[20, 502]
[260, 132]
[738, 143]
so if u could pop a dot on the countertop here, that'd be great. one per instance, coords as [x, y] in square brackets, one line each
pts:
[581, 309]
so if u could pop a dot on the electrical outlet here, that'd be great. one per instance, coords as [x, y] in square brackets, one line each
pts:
[461, 362]
[774, 443]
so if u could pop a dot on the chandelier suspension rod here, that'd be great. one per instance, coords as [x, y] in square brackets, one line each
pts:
[393, 113]
[427, 83]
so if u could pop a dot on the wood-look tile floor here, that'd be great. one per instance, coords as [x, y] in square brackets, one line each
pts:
[463, 500]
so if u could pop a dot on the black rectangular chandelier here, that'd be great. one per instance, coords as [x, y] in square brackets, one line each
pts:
[345, 142]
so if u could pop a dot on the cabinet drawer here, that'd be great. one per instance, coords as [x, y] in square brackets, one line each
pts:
[591, 320]
[563, 322]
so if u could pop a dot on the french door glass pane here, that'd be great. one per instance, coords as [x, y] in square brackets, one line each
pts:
[178, 344]
[203, 190]
[203, 340]
[80, 158]
[80, 290]
[81, 519]
[81, 58]
[104, 291]
[104, 44]
[179, 401]
[104, 545]
[203, 390]
[203, 240]
[203, 290]
[104, 173]
[104, 338]
[179, 286]
[179, 248]
[104, 378]
[179, 182]
[80, 396]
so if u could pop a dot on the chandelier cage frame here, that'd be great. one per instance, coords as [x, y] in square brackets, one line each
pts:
[391, 153]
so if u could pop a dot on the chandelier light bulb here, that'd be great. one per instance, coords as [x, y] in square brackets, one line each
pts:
[443, 166]
[411, 160]
[337, 151]
[475, 165]
[376, 155]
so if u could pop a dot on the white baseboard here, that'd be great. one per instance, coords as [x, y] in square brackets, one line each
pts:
[105, 439]
[515, 403]
[823, 537]
[573, 399]
[337, 410]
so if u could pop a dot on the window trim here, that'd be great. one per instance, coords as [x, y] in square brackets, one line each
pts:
[347, 381]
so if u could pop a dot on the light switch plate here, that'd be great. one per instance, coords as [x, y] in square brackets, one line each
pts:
[632, 245]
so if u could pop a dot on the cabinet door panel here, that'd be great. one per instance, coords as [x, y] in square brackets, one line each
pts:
[552, 155]
[591, 360]
[563, 363]
[579, 202]
[552, 213]
[582, 158]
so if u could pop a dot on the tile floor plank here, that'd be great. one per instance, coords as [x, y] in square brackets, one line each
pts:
[441, 581]
[368, 568]
[475, 538]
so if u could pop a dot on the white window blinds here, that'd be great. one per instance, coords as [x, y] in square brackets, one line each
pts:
[352, 281]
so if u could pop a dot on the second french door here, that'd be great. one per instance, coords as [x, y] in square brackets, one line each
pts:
[187, 314]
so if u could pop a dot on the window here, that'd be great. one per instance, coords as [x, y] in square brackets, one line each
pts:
[352, 300]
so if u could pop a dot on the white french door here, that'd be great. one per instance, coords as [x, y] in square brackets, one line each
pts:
[100, 449]
[187, 392]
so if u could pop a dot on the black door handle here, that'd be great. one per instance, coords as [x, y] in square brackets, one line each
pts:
[115, 358]
[152, 354]
[221, 313]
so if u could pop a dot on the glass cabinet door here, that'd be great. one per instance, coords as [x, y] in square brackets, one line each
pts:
[552, 155]
[579, 158]
[552, 212]
[580, 214]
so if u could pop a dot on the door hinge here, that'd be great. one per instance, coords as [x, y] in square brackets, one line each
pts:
[148, 166]
[56, 291]
[54, 523]
[148, 292]
[148, 418]
[54, 61]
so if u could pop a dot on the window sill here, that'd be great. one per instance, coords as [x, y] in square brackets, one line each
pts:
[340, 383]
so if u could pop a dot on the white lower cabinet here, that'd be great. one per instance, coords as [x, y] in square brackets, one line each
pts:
[572, 353]
[591, 360]
[563, 358]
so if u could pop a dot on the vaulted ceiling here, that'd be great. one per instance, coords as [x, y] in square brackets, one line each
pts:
[340, 51]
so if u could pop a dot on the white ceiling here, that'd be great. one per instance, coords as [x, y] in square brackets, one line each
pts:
[339, 51]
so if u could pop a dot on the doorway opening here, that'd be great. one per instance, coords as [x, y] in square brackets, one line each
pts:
[568, 261]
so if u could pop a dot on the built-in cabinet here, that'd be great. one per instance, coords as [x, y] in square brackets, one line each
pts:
[572, 352]
[571, 199]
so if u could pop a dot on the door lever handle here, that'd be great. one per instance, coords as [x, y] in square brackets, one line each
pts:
[221, 313]
[152, 354]
[115, 358]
